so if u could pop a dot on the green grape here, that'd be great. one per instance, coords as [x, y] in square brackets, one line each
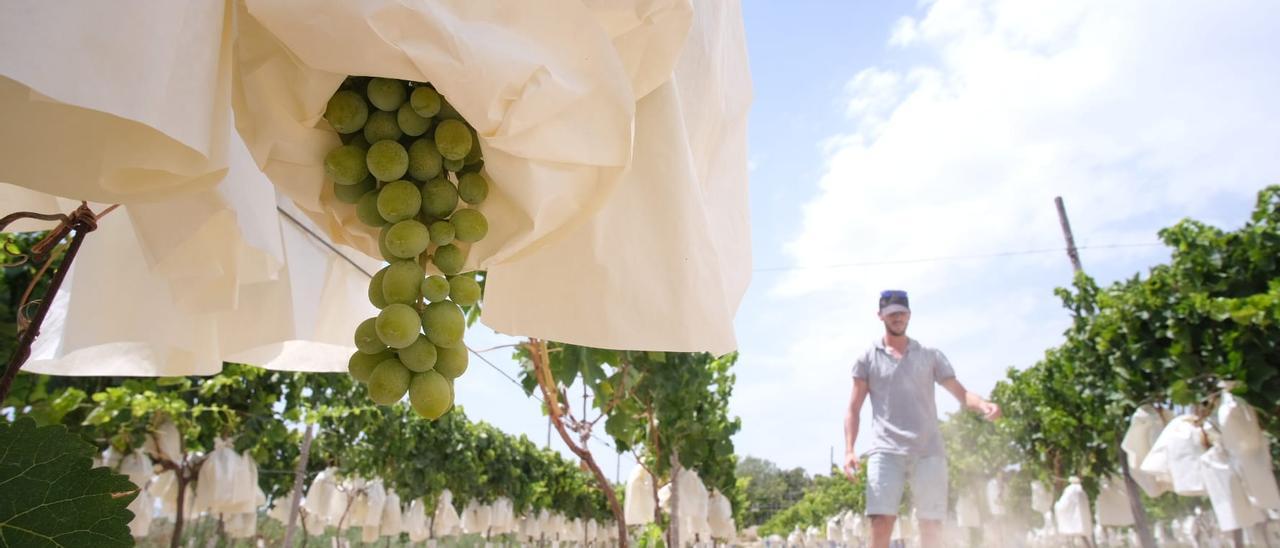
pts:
[367, 210]
[386, 94]
[473, 188]
[346, 111]
[449, 259]
[464, 290]
[387, 255]
[388, 382]
[356, 140]
[453, 139]
[367, 337]
[425, 162]
[397, 325]
[441, 232]
[361, 365]
[410, 123]
[451, 361]
[408, 239]
[444, 323]
[435, 288]
[350, 194]
[469, 225]
[382, 126]
[375, 289]
[387, 160]
[439, 198]
[425, 101]
[453, 165]
[345, 165]
[402, 282]
[430, 395]
[399, 200]
[473, 155]
[419, 356]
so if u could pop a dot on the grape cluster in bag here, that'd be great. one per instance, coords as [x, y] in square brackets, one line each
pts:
[411, 166]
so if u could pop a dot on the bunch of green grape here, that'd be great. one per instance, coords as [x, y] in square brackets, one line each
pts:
[412, 167]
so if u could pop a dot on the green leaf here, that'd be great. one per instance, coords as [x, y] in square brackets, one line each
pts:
[50, 495]
[169, 381]
[1181, 394]
[565, 366]
[592, 373]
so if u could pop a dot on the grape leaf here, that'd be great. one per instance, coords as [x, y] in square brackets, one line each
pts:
[50, 494]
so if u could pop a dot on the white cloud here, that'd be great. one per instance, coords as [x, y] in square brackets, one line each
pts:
[1123, 113]
[1137, 113]
[905, 32]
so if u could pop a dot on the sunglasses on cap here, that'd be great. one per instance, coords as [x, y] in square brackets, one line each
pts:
[895, 298]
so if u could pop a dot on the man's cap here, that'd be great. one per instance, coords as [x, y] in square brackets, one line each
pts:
[894, 300]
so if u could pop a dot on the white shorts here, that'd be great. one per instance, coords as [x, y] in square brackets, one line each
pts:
[888, 474]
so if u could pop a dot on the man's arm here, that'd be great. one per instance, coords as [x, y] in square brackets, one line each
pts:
[988, 410]
[851, 419]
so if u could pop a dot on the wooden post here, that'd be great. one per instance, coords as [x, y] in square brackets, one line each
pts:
[299, 476]
[675, 501]
[1066, 233]
[1140, 522]
[181, 477]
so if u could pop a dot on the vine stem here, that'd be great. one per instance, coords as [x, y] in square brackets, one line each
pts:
[82, 221]
[542, 371]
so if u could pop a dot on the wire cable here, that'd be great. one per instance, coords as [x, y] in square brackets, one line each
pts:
[949, 258]
[323, 241]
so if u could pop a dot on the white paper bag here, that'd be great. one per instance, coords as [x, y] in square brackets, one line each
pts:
[1113, 503]
[1072, 511]
[1144, 429]
[112, 110]
[1176, 454]
[1226, 492]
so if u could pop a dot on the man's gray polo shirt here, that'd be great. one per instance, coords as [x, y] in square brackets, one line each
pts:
[904, 415]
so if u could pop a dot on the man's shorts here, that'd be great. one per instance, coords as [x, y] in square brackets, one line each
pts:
[888, 474]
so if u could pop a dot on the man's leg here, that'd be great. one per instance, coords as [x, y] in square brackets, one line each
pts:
[886, 478]
[881, 530]
[929, 493]
[930, 533]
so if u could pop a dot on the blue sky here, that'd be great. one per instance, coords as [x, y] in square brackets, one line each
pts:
[890, 132]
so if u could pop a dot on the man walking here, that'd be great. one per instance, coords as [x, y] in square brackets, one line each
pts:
[899, 373]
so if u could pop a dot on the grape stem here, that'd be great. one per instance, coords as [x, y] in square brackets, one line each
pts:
[542, 371]
[81, 221]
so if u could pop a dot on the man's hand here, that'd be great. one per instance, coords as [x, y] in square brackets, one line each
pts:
[859, 394]
[851, 466]
[989, 410]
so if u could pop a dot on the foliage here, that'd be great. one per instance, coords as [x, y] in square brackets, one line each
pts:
[979, 451]
[50, 494]
[473, 460]
[252, 406]
[657, 403]
[976, 448]
[264, 410]
[1212, 314]
[651, 537]
[767, 490]
[827, 496]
